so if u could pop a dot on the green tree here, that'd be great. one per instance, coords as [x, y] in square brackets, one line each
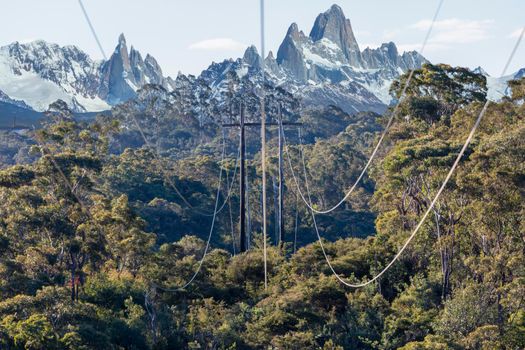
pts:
[437, 91]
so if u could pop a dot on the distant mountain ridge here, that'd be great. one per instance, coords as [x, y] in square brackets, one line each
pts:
[39, 73]
[126, 72]
[327, 67]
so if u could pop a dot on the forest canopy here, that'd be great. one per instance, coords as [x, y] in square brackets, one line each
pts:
[94, 243]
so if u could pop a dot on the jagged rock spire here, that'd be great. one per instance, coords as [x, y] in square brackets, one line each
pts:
[126, 71]
[334, 26]
[252, 57]
[117, 75]
[289, 56]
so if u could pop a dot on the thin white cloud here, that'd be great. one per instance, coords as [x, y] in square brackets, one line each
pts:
[217, 44]
[446, 33]
[390, 34]
[516, 33]
[454, 31]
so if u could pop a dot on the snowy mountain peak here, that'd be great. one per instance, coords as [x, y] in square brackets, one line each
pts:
[330, 57]
[121, 39]
[390, 48]
[118, 82]
[325, 68]
[334, 26]
[40, 73]
[293, 29]
[336, 9]
[294, 33]
[252, 57]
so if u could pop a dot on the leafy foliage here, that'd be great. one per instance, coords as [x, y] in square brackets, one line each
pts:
[95, 245]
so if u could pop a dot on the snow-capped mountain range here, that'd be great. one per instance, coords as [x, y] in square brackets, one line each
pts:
[327, 67]
[39, 73]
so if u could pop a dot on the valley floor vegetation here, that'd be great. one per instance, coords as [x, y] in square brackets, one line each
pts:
[84, 263]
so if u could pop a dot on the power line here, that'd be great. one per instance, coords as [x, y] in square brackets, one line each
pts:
[158, 158]
[230, 210]
[92, 29]
[201, 261]
[309, 201]
[275, 210]
[230, 188]
[141, 131]
[168, 179]
[380, 141]
[84, 208]
[432, 204]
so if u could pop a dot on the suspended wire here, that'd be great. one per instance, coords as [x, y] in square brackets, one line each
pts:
[83, 206]
[230, 188]
[92, 29]
[281, 222]
[263, 146]
[432, 204]
[157, 157]
[46, 151]
[230, 211]
[168, 179]
[296, 203]
[312, 206]
[201, 261]
[141, 131]
[309, 202]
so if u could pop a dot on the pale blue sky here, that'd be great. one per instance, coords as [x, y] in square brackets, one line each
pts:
[188, 35]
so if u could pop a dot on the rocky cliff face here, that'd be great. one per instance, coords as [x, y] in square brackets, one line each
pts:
[118, 81]
[289, 55]
[335, 27]
[126, 72]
